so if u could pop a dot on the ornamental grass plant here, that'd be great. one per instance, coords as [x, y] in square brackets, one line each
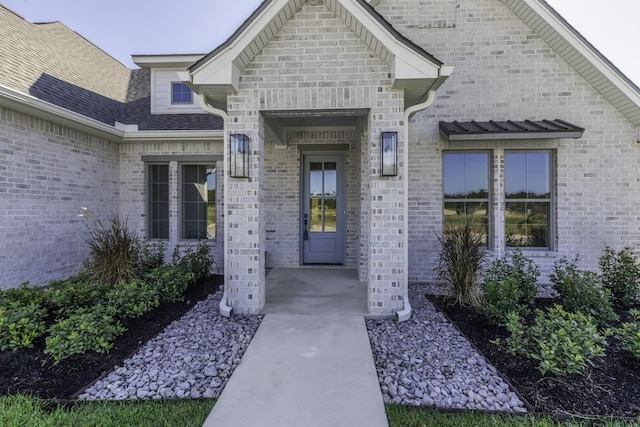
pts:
[462, 255]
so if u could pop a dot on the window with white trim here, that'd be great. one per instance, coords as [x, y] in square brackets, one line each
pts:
[181, 94]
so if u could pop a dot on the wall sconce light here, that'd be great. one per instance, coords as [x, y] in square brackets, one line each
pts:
[389, 154]
[239, 158]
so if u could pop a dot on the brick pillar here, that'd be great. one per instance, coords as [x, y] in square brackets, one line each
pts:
[386, 224]
[244, 219]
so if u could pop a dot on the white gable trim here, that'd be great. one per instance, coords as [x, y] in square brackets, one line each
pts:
[580, 54]
[412, 69]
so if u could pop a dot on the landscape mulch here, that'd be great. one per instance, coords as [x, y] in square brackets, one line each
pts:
[611, 388]
[30, 371]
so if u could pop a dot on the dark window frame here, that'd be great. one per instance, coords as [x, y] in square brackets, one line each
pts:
[182, 231]
[550, 201]
[470, 201]
[154, 231]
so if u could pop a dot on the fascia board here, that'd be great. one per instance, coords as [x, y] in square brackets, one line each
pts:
[173, 135]
[230, 54]
[407, 63]
[612, 75]
[30, 105]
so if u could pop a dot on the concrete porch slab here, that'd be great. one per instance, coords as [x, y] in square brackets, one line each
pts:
[312, 371]
[315, 291]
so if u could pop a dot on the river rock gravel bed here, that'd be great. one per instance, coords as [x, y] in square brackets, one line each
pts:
[192, 358]
[425, 361]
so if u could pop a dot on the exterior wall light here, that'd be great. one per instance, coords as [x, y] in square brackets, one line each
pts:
[239, 158]
[389, 154]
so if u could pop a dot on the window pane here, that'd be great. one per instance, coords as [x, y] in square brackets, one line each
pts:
[330, 216]
[198, 194]
[316, 179]
[315, 213]
[180, 94]
[158, 202]
[527, 224]
[456, 213]
[528, 175]
[466, 175]
[330, 179]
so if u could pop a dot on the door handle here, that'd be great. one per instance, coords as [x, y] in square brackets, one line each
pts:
[306, 233]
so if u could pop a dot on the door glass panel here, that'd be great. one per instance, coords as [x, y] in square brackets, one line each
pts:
[315, 179]
[330, 216]
[330, 178]
[315, 216]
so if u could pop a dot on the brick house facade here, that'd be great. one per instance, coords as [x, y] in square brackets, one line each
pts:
[314, 85]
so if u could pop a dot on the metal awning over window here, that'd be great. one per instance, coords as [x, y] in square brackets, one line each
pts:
[511, 129]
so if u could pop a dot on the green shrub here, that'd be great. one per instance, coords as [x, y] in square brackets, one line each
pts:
[113, 250]
[509, 287]
[621, 275]
[151, 256]
[461, 256]
[20, 325]
[92, 329]
[582, 291]
[169, 282]
[561, 342]
[23, 295]
[196, 261]
[133, 298]
[71, 295]
[629, 334]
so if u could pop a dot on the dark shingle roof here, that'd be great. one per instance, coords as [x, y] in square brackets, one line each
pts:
[55, 64]
[510, 129]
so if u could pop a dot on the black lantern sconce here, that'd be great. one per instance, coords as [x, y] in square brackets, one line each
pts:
[239, 158]
[389, 154]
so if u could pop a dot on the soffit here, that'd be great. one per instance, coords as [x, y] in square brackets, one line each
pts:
[605, 77]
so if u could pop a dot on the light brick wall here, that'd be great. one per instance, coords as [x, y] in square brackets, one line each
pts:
[47, 173]
[316, 62]
[282, 175]
[505, 71]
[134, 195]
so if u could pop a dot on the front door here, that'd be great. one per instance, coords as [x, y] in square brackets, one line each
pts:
[323, 209]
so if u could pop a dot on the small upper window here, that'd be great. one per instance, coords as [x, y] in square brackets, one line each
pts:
[181, 94]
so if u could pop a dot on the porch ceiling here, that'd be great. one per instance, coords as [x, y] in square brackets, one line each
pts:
[279, 122]
[412, 68]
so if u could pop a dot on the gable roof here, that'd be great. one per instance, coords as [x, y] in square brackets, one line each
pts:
[574, 48]
[55, 64]
[52, 63]
[412, 68]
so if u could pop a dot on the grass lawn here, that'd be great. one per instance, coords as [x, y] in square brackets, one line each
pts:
[404, 416]
[19, 411]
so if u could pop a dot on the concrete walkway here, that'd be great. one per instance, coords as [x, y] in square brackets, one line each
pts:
[304, 370]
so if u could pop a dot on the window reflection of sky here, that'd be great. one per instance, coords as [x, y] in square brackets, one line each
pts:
[323, 182]
[466, 174]
[527, 173]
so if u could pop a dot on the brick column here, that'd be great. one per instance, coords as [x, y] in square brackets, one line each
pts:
[244, 211]
[386, 223]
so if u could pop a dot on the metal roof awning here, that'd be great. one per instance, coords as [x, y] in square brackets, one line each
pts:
[510, 129]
